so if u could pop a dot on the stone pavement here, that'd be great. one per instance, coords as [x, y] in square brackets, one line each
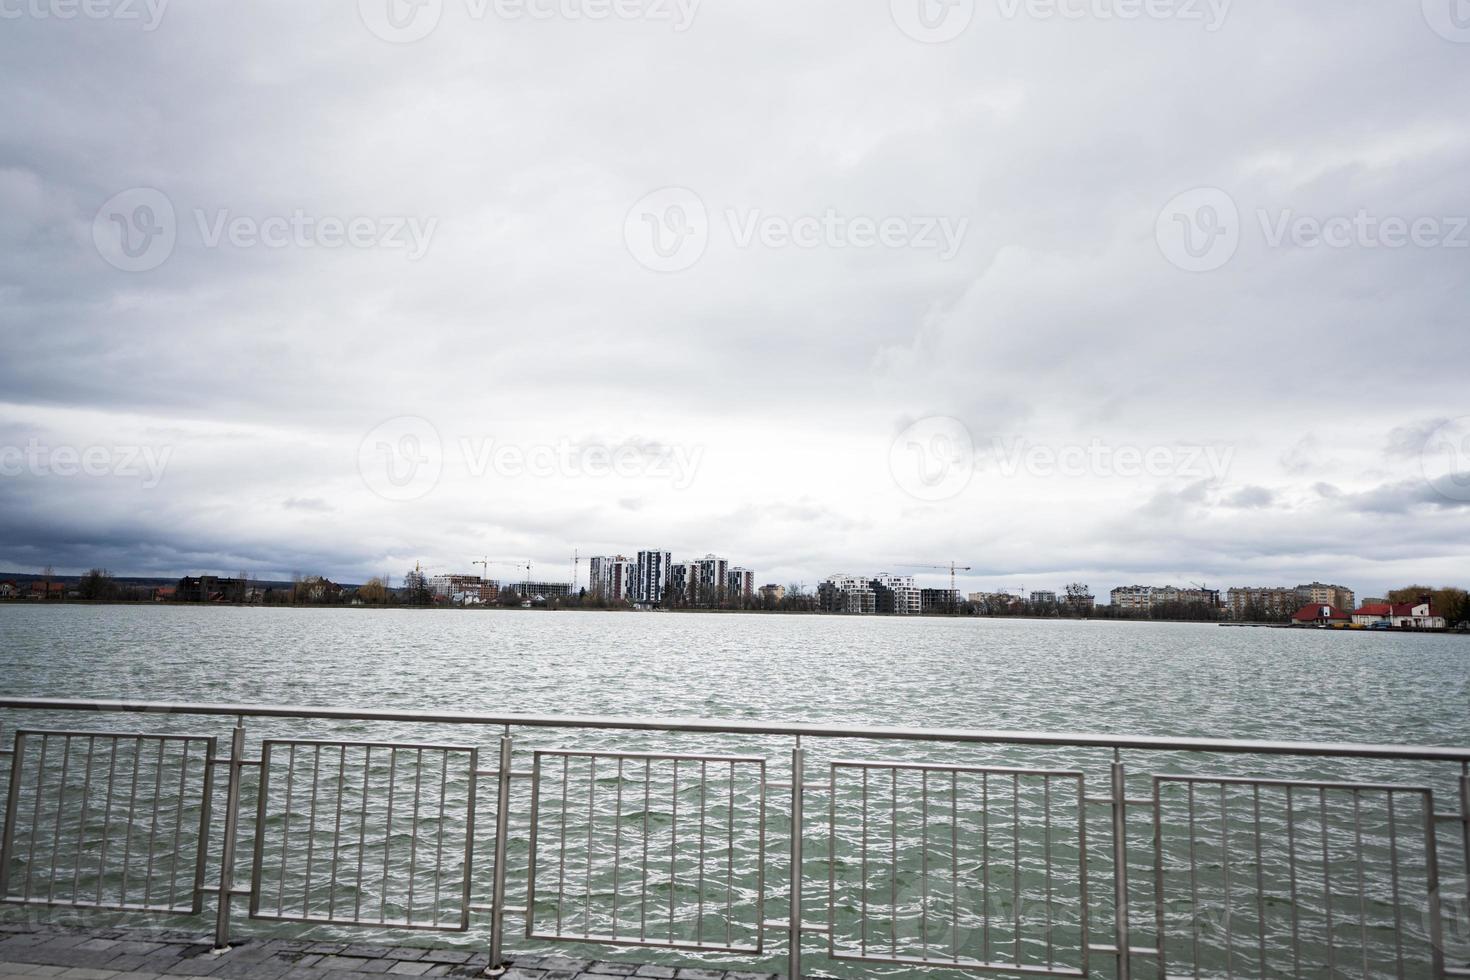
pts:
[37, 952]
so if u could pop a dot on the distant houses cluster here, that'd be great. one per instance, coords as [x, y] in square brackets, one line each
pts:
[884, 593]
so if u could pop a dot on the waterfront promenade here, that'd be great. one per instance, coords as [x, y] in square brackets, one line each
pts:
[39, 952]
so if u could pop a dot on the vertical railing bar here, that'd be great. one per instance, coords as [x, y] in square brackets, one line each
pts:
[1296, 953]
[1431, 872]
[798, 791]
[173, 875]
[227, 849]
[954, 864]
[60, 809]
[864, 919]
[502, 841]
[617, 845]
[561, 871]
[367, 767]
[337, 831]
[1362, 884]
[643, 869]
[106, 815]
[387, 833]
[831, 856]
[316, 772]
[985, 864]
[439, 836]
[206, 814]
[12, 804]
[413, 836]
[1326, 880]
[924, 863]
[1046, 829]
[1260, 880]
[673, 848]
[1465, 826]
[893, 877]
[467, 879]
[591, 822]
[76, 878]
[1160, 943]
[703, 831]
[1393, 865]
[36, 822]
[533, 857]
[730, 858]
[286, 832]
[132, 813]
[1225, 872]
[153, 824]
[1120, 865]
[1193, 882]
[1082, 893]
[1016, 864]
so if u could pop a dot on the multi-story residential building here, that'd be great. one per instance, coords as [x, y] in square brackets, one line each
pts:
[459, 589]
[896, 594]
[653, 577]
[740, 583]
[544, 590]
[210, 588]
[613, 577]
[682, 582]
[772, 593]
[847, 594]
[1144, 598]
[1044, 598]
[712, 576]
[939, 600]
[1273, 603]
[1318, 594]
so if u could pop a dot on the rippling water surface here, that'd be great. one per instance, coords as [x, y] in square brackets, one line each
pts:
[921, 865]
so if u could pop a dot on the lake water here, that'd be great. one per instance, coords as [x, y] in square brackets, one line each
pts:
[1121, 678]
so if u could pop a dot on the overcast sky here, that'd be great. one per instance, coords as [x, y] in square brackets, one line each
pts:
[1096, 290]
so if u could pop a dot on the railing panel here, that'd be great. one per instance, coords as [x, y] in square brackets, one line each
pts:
[635, 849]
[1276, 878]
[365, 833]
[981, 869]
[111, 821]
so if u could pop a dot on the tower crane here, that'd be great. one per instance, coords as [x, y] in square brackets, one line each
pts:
[953, 567]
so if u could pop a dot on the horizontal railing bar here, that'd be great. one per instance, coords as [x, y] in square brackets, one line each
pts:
[495, 774]
[490, 910]
[608, 940]
[805, 788]
[964, 964]
[650, 756]
[1296, 783]
[1109, 801]
[1113, 950]
[808, 730]
[781, 925]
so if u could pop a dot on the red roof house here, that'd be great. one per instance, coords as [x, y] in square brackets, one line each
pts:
[1318, 615]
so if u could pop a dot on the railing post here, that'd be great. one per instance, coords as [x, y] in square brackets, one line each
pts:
[1120, 866]
[227, 850]
[502, 836]
[798, 780]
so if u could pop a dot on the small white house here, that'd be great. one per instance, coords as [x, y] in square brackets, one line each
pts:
[1418, 615]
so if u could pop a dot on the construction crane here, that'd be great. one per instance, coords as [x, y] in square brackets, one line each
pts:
[487, 562]
[953, 567]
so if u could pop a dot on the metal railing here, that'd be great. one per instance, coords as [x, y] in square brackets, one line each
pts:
[967, 851]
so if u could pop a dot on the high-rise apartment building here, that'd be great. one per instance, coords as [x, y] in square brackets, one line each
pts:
[653, 576]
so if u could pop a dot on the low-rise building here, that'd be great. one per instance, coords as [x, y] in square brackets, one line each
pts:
[8, 590]
[1320, 615]
[772, 593]
[1418, 615]
[459, 590]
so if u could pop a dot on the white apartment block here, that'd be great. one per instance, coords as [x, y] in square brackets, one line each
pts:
[653, 576]
[740, 583]
[897, 594]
